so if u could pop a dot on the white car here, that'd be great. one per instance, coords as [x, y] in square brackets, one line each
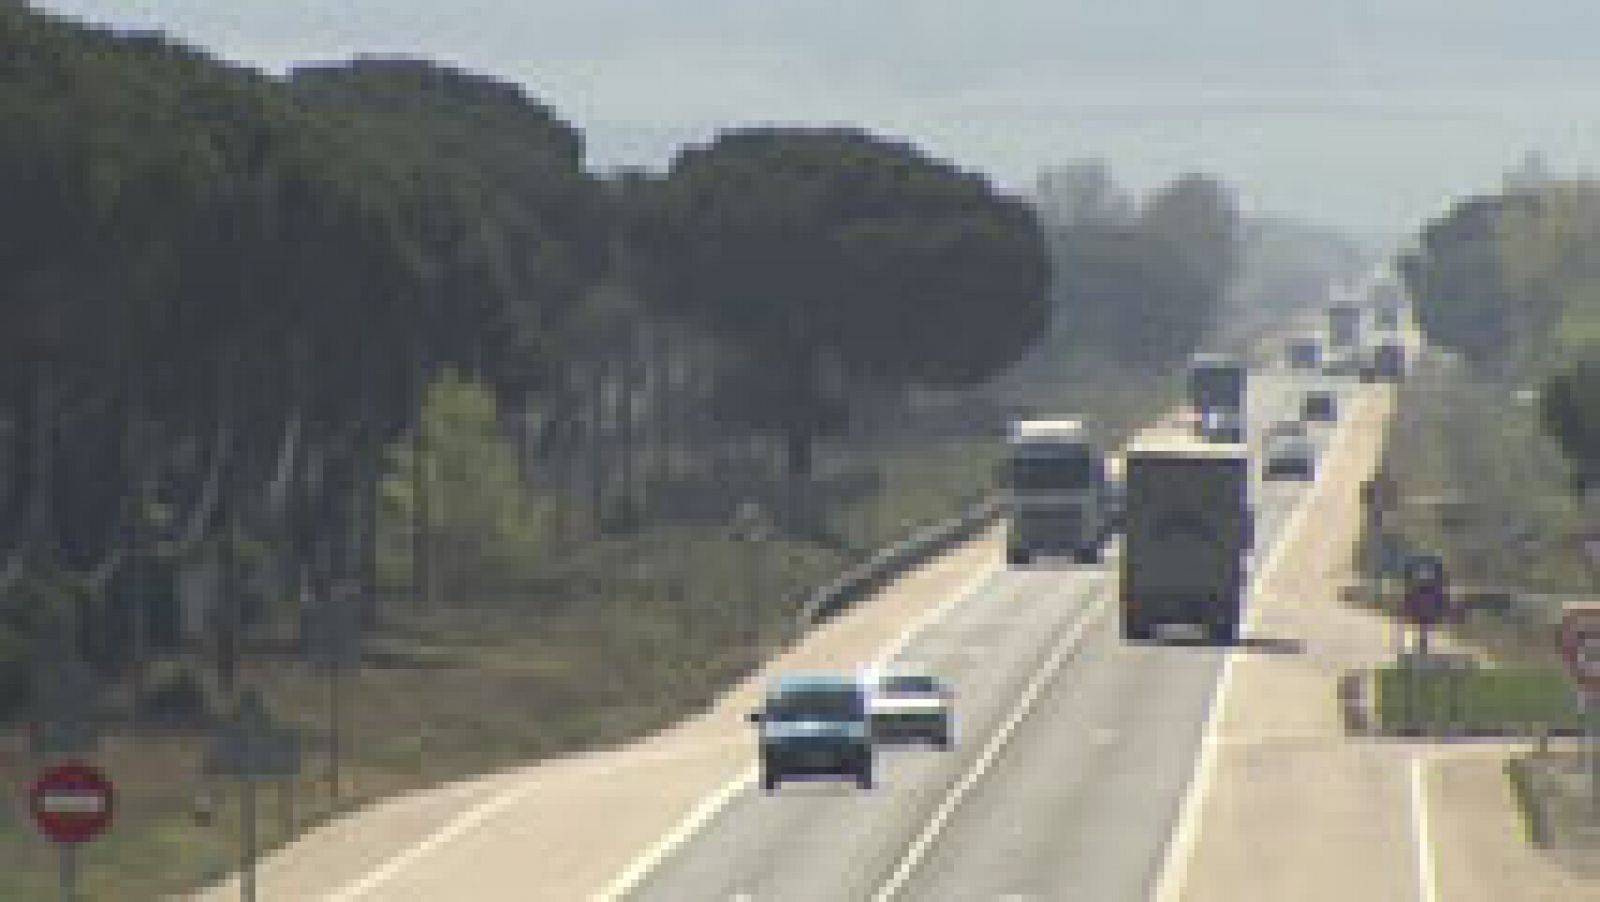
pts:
[1286, 429]
[911, 705]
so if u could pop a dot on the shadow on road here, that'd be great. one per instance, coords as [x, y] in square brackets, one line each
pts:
[1266, 645]
[1272, 645]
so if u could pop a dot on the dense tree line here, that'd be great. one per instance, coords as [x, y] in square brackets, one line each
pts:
[837, 263]
[1510, 281]
[224, 297]
[1143, 281]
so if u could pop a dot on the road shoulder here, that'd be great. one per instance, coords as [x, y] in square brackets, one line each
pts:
[1481, 849]
[570, 825]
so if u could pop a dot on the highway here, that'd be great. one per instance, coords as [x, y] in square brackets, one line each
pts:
[1073, 753]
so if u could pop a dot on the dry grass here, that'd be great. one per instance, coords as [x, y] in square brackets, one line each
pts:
[620, 637]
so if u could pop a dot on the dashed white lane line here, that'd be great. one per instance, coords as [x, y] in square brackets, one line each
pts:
[1427, 888]
[1180, 845]
[1037, 684]
[641, 867]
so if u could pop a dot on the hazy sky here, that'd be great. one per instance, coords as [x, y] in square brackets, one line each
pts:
[1364, 114]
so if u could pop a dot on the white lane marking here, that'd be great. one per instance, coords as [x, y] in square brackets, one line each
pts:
[991, 751]
[459, 825]
[641, 867]
[935, 614]
[1427, 890]
[693, 823]
[1181, 843]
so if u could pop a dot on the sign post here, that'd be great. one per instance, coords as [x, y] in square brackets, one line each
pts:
[1580, 649]
[252, 749]
[65, 724]
[1427, 596]
[751, 527]
[1371, 504]
[339, 645]
[1425, 605]
[71, 804]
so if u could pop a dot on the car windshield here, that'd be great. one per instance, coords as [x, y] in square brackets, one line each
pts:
[909, 684]
[814, 705]
[1065, 471]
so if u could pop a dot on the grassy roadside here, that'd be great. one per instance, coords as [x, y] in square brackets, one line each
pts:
[1491, 701]
[1481, 485]
[624, 636]
[1484, 487]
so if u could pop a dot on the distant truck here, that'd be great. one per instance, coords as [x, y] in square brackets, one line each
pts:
[1389, 362]
[1217, 385]
[1058, 496]
[1319, 405]
[1344, 326]
[1186, 535]
[816, 725]
[1303, 353]
[1388, 298]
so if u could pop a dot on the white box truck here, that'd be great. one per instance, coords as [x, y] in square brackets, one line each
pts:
[1058, 498]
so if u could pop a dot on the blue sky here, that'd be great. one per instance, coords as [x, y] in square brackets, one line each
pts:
[1363, 114]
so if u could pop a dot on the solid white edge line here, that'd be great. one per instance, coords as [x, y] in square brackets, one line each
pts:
[935, 614]
[642, 866]
[1427, 889]
[457, 826]
[1180, 844]
[1037, 684]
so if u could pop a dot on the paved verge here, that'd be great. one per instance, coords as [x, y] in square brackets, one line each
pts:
[562, 829]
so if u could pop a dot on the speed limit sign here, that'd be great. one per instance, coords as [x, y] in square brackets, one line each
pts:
[1580, 645]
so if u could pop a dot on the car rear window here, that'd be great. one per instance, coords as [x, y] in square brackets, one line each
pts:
[908, 684]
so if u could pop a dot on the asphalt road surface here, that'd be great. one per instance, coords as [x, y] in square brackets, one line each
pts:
[1073, 753]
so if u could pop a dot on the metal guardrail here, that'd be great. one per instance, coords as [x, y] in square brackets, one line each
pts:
[877, 571]
[894, 560]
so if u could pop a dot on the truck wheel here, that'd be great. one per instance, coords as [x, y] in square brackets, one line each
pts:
[1016, 557]
[1136, 631]
[1090, 555]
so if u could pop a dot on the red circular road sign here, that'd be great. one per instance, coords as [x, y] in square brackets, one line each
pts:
[1580, 646]
[71, 803]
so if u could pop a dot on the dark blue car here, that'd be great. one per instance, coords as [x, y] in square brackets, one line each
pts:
[815, 725]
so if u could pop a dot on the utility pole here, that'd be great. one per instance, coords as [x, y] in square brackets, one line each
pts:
[752, 527]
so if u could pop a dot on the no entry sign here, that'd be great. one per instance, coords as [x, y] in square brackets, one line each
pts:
[71, 803]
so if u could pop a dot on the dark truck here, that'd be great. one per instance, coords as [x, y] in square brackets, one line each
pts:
[816, 725]
[1303, 353]
[1389, 362]
[1188, 529]
[1217, 395]
[1344, 327]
